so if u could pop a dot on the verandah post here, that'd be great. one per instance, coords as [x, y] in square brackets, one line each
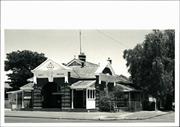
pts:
[129, 101]
[72, 99]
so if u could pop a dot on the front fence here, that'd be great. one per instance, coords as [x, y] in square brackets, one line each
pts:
[125, 106]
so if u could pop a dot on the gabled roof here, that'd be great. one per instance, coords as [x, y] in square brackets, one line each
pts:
[123, 79]
[50, 64]
[103, 66]
[74, 61]
[86, 63]
[87, 71]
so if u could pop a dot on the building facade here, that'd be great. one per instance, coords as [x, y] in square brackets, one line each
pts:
[75, 85]
[68, 86]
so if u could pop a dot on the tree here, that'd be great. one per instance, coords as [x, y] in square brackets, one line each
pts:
[151, 65]
[21, 63]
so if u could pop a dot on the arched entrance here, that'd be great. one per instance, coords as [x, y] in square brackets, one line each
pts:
[51, 98]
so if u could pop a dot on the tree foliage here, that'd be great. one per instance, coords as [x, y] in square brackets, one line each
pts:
[106, 102]
[151, 64]
[21, 63]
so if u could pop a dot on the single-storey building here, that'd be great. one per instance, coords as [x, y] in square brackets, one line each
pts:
[75, 85]
[7, 88]
[21, 99]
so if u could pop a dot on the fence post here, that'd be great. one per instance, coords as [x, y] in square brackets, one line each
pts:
[129, 101]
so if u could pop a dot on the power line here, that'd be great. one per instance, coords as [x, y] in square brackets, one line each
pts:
[110, 37]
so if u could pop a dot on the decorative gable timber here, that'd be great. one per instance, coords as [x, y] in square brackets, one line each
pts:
[50, 69]
[106, 77]
[102, 67]
[50, 64]
[74, 62]
[78, 62]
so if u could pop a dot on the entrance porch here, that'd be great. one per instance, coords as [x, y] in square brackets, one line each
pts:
[83, 95]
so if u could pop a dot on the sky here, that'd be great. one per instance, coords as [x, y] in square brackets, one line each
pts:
[63, 45]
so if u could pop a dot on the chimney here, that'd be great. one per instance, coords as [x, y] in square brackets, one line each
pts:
[109, 60]
[82, 57]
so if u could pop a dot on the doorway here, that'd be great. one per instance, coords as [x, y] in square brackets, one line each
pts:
[79, 98]
[50, 98]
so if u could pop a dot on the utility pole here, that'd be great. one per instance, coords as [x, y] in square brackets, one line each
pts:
[80, 40]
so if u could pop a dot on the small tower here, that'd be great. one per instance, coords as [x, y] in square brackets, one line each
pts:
[81, 56]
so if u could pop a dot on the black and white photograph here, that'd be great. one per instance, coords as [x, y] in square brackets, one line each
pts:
[99, 76]
[89, 75]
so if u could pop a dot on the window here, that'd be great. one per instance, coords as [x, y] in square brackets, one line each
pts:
[88, 94]
[91, 94]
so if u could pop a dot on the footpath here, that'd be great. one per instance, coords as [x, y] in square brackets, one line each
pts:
[140, 115]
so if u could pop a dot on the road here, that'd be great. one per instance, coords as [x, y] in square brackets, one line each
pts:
[163, 118]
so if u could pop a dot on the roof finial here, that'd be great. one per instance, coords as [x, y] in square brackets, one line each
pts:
[109, 60]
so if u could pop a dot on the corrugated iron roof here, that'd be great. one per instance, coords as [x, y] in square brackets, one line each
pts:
[83, 72]
[122, 79]
[28, 86]
[87, 71]
[126, 88]
[16, 91]
[83, 85]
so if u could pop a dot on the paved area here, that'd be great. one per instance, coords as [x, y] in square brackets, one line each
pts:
[67, 115]
[142, 115]
[84, 116]
[167, 118]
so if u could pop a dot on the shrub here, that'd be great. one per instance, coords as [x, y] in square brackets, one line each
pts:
[105, 104]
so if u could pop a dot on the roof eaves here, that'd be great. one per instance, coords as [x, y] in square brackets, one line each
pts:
[17, 91]
[40, 65]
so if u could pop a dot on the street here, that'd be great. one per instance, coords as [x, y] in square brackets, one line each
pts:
[163, 118]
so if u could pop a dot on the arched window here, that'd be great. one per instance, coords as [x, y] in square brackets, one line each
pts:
[107, 71]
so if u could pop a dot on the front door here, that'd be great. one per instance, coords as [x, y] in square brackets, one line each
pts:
[79, 99]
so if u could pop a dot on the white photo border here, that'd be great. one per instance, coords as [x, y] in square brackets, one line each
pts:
[91, 15]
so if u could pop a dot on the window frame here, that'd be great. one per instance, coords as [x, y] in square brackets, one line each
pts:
[91, 94]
